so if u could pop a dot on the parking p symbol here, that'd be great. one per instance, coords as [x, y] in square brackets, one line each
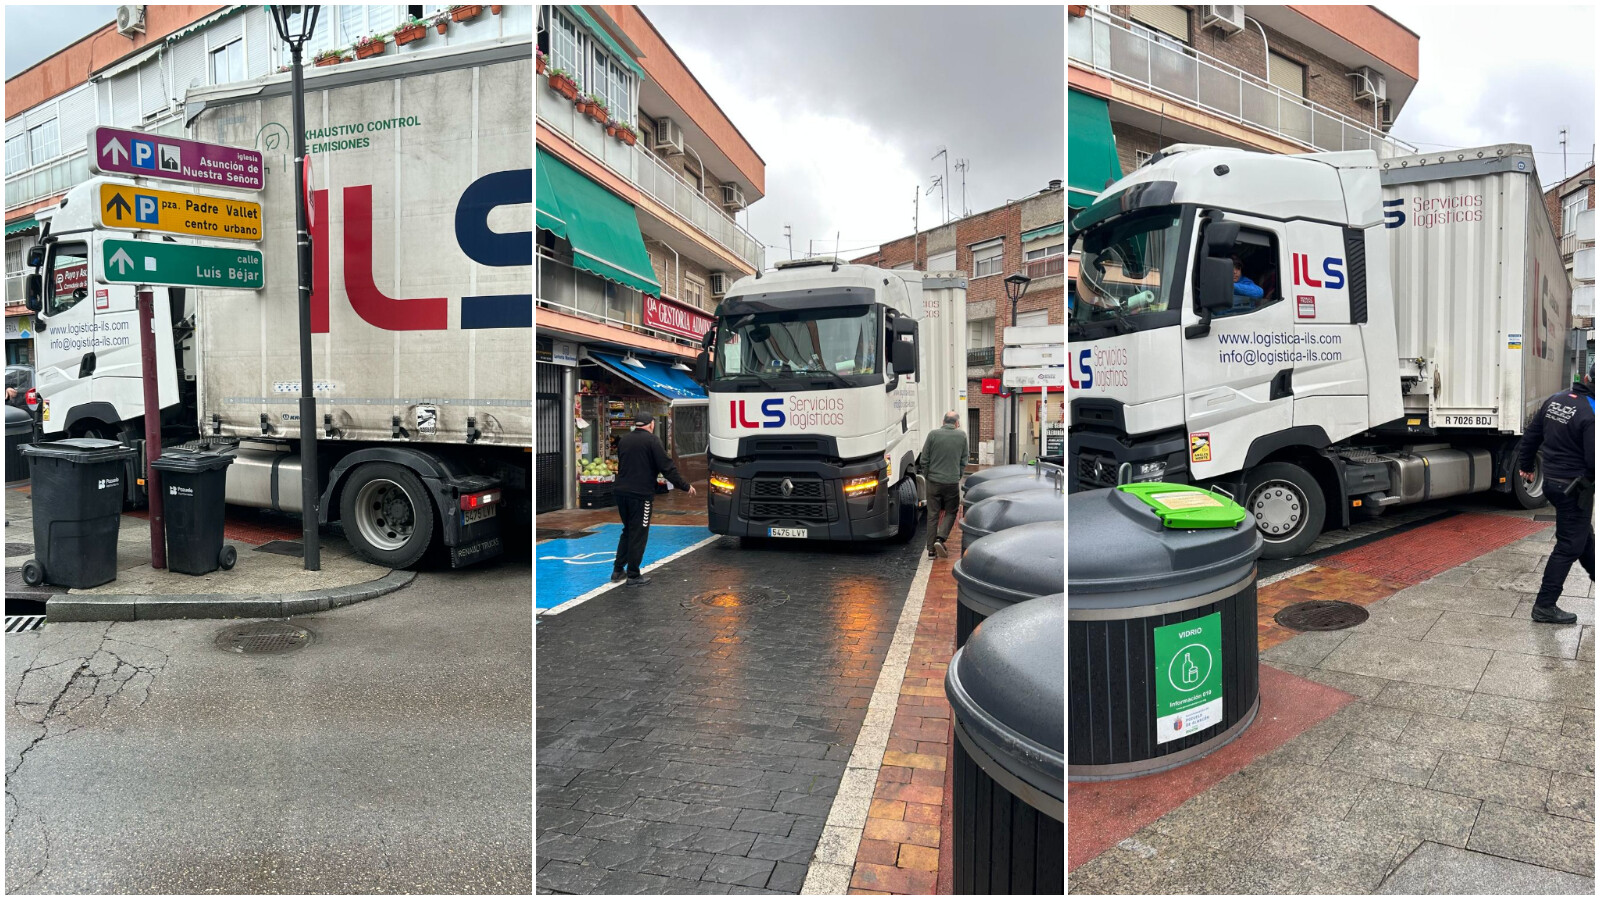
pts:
[146, 209]
[144, 154]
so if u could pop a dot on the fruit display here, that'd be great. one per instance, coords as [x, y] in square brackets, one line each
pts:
[596, 470]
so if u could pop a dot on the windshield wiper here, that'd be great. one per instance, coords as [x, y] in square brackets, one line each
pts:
[761, 378]
[840, 379]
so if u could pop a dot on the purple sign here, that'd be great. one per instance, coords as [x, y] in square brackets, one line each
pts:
[122, 151]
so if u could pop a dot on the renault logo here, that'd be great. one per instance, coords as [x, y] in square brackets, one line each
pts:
[788, 487]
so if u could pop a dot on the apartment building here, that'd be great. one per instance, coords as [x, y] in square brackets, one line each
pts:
[135, 73]
[1026, 236]
[641, 176]
[1570, 205]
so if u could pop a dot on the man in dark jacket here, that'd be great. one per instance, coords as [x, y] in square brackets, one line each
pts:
[942, 462]
[640, 457]
[1564, 427]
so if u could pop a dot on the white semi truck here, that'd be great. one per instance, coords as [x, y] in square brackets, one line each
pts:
[422, 183]
[1410, 318]
[824, 378]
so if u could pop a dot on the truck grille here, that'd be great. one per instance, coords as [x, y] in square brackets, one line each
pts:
[799, 489]
[807, 498]
[812, 511]
[1094, 470]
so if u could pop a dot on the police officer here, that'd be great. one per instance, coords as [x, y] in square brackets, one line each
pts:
[639, 458]
[1564, 426]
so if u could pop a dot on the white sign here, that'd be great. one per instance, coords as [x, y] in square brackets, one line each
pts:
[1036, 377]
[1020, 335]
[1039, 355]
[564, 353]
[19, 326]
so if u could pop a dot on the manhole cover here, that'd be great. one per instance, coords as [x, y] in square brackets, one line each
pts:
[282, 548]
[17, 548]
[263, 637]
[738, 598]
[1321, 615]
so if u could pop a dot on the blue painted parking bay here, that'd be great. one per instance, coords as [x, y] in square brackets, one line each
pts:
[572, 567]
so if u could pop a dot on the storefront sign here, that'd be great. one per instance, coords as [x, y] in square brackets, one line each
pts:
[675, 318]
[19, 327]
[1188, 676]
[563, 353]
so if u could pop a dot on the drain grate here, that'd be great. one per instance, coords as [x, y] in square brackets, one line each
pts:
[1321, 615]
[18, 548]
[282, 548]
[1544, 517]
[552, 534]
[738, 598]
[263, 637]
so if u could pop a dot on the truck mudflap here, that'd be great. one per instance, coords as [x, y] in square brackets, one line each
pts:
[471, 536]
[803, 499]
[1098, 459]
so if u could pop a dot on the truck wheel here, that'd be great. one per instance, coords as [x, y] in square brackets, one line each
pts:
[906, 491]
[387, 515]
[1288, 508]
[1524, 495]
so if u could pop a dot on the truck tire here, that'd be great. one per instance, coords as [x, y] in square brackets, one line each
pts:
[1524, 495]
[1288, 508]
[387, 514]
[906, 491]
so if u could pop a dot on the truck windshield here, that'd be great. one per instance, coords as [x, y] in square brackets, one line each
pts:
[821, 342]
[1126, 268]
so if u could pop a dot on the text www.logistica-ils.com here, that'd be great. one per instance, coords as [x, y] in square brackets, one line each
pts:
[92, 335]
[1278, 347]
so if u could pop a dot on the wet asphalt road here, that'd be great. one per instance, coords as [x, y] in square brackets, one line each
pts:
[391, 755]
[695, 746]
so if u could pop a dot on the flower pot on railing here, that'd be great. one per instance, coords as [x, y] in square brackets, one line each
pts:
[370, 48]
[596, 112]
[625, 134]
[494, 10]
[464, 13]
[539, 64]
[414, 32]
[328, 59]
[442, 24]
[562, 83]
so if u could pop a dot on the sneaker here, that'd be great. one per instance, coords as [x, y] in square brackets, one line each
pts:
[938, 548]
[1553, 615]
[637, 580]
[930, 553]
[618, 575]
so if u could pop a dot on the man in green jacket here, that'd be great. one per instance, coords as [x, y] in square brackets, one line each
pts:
[943, 460]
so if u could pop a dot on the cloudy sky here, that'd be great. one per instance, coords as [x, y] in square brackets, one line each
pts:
[35, 32]
[847, 105]
[1490, 77]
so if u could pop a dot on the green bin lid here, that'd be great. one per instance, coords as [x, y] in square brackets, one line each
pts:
[1187, 506]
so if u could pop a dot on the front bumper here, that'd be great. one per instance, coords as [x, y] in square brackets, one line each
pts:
[815, 501]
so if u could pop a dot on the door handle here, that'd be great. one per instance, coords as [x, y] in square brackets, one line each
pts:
[86, 367]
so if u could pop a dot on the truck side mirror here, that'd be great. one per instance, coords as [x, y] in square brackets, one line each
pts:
[34, 291]
[1221, 237]
[903, 353]
[702, 367]
[35, 256]
[1216, 283]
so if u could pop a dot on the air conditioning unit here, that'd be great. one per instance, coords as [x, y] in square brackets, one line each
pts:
[669, 137]
[1388, 115]
[1370, 84]
[719, 283]
[733, 196]
[130, 20]
[1229, 18]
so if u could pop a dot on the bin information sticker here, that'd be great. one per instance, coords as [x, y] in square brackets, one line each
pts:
[1185, 499]
[1188, 677]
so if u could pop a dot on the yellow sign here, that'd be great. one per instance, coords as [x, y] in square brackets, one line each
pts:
[196, 215]
[1200, 446]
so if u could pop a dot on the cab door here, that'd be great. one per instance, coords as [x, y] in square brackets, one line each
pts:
[64, 346]
[1237, 362]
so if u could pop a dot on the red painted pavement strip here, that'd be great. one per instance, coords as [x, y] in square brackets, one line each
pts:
[1100, 814]
[242, 531]
[1419, 554]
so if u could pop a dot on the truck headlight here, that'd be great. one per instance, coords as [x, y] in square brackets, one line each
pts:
[861, 484]
[721, 484]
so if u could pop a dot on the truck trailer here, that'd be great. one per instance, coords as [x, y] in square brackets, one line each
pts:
[823, 379]
[421, 183]
[1394, 326]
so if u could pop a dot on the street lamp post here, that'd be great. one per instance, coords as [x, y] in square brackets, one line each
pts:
[1016, 286]
[295, 25]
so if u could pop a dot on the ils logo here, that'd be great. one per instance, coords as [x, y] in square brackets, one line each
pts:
[1332, 267]
[1081, 365]
[771, 414]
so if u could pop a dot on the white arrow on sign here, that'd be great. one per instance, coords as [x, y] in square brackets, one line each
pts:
[114, 147]
[1037, 377]
[122, 261]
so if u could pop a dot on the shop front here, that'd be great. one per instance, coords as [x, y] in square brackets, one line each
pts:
[19, 340]
[613, 388]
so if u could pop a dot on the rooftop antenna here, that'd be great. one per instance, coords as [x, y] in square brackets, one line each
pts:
[946, 154]
[916, 225]
[836, 250]
[788, 232]
[1563, 154]
[961, 166]
[938, 182]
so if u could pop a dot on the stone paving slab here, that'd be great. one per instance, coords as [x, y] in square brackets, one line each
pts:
[1569, 682]
[1518, 635]
[1439, 869]
[1534, 836]
[1403, 660]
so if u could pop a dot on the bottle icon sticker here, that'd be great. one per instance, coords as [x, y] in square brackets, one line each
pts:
[1191, 672]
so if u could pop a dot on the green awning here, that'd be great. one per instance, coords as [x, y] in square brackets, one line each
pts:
[1037, 233]
[1091, 149]
[602, 228]
[595, 29]
[21, 225]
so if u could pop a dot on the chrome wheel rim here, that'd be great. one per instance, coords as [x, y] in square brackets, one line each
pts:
[1279, 510]
[385, 516]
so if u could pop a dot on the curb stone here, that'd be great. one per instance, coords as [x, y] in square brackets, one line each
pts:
[143, 607]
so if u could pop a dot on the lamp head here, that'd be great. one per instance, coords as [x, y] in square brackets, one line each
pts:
[1016, 285]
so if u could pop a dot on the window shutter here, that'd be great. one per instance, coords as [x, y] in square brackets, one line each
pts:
[1287, 74]
[1170, 20]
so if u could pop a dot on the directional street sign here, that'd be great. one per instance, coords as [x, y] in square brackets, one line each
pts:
[1035, 355]
[1038, 377]
[122, 151]
[1022, 335]
[125, 206]
[178, 265]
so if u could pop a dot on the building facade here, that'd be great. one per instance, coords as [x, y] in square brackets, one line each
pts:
[136, 74]
[1570, 205]
[1026, 236]
[640, 179]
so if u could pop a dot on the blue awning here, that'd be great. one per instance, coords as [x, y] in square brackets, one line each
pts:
[658, 378]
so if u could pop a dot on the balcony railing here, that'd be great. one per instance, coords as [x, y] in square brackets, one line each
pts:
[48, 179]
[1569, 243]
[1044, 268]
[1121, 49]
[642, 169]
[980, 358]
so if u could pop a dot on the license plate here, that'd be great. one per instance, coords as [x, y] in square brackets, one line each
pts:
[468, 516]
[786, 532]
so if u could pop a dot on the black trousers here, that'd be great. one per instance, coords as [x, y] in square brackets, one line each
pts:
[635, 513]
[944, 501]
[1574, 542]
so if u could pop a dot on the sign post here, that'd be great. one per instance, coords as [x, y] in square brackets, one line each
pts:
[152, 427]
[1035, 360]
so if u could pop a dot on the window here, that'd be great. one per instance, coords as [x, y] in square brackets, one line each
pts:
[1033, 317]
[942, 262]
[1045, 252]
[1287, 74]
[980, 334]
[227, 63]
[69, 278]
[1169, 20]
[1140, 157]
[1042, 262]
[690, 435]
[694, 291]
[590, 63]
[45, 142]
[1256, 284]
[1572, 204]
[564, 46]
[17, 153]
[988, 259]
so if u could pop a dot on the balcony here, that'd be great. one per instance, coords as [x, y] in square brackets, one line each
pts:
[47, 179]
[1119, 49]
[1569, 243]
[980, 358]
[647, 173]
[1044, 268]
